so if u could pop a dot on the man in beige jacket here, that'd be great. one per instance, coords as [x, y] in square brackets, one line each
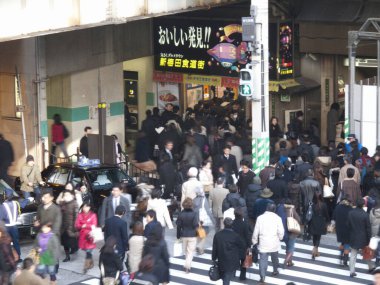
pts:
[30, 178]
[27, 275]
[217, 195]
[188, 188]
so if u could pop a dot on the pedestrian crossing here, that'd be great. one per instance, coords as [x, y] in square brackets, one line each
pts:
[325, 270]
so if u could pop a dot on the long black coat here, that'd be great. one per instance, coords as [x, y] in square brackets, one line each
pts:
[279, 187]
[168, 172]
[161, 257]
[251, 195]
[242, 228]
[340, 216]
[318, 223]
[359, 227]
[244, 180]
[226, 249]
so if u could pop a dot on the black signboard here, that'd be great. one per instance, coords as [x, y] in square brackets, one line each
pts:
[199, 46]
[286, 50]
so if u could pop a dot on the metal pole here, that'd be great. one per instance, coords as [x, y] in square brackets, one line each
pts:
[352, 59]
[378, 95]
[22, 112]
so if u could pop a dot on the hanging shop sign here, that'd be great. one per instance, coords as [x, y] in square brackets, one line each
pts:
[202, 80]
[167, 77]
[201, 47]
[286, 67]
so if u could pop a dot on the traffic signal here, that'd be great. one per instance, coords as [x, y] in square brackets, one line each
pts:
[246, 82]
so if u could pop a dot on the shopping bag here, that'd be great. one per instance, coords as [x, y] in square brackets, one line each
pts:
[374, 241]
[248, 259]
[97, 234]
[201, 233]
[293, 225]
[367, 253]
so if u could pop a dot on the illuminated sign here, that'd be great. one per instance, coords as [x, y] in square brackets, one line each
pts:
[200, 47]
[285, 59]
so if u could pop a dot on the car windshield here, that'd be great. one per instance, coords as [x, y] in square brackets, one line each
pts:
[104, 178]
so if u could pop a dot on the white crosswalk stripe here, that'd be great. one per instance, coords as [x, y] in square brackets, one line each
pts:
[325, 270]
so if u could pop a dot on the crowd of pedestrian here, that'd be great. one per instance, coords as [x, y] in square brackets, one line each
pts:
[204, 163]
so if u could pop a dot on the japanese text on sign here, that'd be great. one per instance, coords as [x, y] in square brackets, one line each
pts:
[181, 63]
[193, 37]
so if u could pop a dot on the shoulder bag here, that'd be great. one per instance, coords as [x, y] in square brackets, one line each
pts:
[201, 233]
[248, 259]
[203, 215]
[293, 226]
[327, 190]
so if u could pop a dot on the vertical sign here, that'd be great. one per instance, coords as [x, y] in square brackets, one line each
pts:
[286, 65]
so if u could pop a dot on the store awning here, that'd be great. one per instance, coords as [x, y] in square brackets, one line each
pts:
[293, 86]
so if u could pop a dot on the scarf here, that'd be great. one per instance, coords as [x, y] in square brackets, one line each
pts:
[44, 240]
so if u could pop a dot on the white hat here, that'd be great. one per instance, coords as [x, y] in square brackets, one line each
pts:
[193, 172]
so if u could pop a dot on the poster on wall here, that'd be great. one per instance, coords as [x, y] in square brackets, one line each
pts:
[201, 46]
[167, 93]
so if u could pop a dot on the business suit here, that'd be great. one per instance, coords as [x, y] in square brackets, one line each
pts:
[108, 209]
[117, 228]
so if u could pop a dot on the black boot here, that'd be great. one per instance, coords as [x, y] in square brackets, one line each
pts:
[345, 259]
[67, 256]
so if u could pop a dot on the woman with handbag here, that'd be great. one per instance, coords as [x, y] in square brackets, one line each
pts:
[206, 219]
[84, 223]
[318, 222]
[110, 263]
[136, 245]
[291, 221]
[187, 224]
[241, 227]
[69, 233]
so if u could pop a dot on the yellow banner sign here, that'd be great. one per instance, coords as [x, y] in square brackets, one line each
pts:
[274, 86]
[202, 80]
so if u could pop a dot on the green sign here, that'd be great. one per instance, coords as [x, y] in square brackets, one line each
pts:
[245, 90]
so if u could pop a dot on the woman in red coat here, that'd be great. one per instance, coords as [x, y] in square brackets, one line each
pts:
[85, 221]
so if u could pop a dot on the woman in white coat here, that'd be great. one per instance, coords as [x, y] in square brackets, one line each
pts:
[205, 177]
[158, 205]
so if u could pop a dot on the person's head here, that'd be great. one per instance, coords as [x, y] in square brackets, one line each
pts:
[244, 166]
[228, 223]
[109, 245]
[156, 111]
[274, 121]
[148, 113]
[83, 188]
[227, 149]
[187, 204]
[87, 130]
[239, 213]
[47, 196]
[146, 263]
[169, 145]
[156, 193]
[347, 158]
[193, 172]
[138, 228]
[68, 196]
[220, 181]
[69, 186]
[271, 207]
[206, 164]
[283, 144]
[169, 107]
[151, 216]
[299, 115]
[351, 137]
[360, 202]
[120, 210]
[116, 190]
[86, 207]
[47, 227]
[335, 106]
[364, 151]
[273, 160]
[115, 137]
[350, 172]
[28, 264]
[30, 160]
[232, 188]
[57, 119]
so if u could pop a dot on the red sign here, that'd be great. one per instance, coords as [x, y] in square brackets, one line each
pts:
[167, 77]
[230, 82]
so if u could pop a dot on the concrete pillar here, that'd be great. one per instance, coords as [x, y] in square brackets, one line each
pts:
[327, 92]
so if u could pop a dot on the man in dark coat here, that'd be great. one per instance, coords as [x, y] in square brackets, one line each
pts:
[340, 217]
[360, 232]
[118, 228]
[268, 172]
[278, 186]
[261, 203]
[251, 196]
[168, 169]
[227, 162]
[6, 158]
[226, 251]
[234, 200]
[83, 143]
[110, 204]
[245, 177]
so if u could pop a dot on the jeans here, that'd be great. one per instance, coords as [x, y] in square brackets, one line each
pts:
[353, 255]
[263, 262]
[227, 276]
[290, 244]
[189, 244]
[47, 269]
[13, 232]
